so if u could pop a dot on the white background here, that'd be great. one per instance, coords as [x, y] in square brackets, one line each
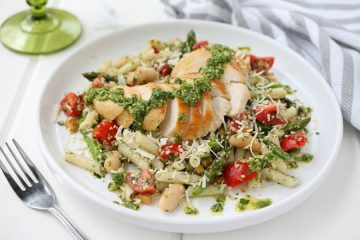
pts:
[333, 212]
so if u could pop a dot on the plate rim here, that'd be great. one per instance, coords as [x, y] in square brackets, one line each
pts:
[271, 212]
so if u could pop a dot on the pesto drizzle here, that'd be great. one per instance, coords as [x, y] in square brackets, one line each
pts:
[189, 93]
[218, 207]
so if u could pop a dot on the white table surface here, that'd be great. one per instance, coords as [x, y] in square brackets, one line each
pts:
[333, 212]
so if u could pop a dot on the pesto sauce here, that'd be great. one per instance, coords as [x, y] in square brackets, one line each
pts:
[218, 207]
[189, 93]
[128, 203]
[251, 203]
[190, 210]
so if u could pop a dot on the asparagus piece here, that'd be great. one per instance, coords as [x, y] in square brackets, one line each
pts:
[297, 125]
[92, 75]
[215, 168]
[276, 150]
[188, 44]
[213, 144]
[94, 147]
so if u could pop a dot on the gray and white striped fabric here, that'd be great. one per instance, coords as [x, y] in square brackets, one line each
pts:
[326, 34]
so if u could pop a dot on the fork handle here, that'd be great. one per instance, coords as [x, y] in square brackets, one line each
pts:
[69, 224]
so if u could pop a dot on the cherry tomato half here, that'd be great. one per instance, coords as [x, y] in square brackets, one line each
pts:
[98, 82]
[259, 64]
[105, 132]
[142, 183]
[200, 44]
[237, 173]
[240, 121]
[156, 51]
[171, 150]
[72, 104]
[268, 115]
[293, 141]
[165, 70]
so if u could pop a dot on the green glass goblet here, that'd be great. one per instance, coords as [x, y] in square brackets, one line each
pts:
[40, 30]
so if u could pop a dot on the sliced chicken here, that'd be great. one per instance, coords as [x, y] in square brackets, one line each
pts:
[235, 71]
[240, 94]
[125, 119]
[195, 116]
[153, 119]
[207, 114]
[221, 107]
[218, 87]
[108, 109]
[191, 62]
[176, 116]
[193, 128]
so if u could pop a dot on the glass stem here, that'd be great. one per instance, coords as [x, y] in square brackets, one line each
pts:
[38, 8]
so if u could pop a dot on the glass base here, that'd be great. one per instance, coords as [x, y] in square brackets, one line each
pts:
[21, 33]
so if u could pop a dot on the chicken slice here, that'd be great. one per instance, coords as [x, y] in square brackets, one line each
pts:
[125, 119]
[240, 95]
[194, 124]
[108, 109]
[155, 116]
[235, 71]
[193, 128]
[176, 116]
[191, 62]
[220, 106]
[219, 89]
[207, 114]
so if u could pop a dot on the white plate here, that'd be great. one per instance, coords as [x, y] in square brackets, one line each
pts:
[289, 67]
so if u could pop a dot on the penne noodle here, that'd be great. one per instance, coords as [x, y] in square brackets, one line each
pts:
[89, 121]
[278, 177]
[83, 162]
[176, 177]
[136, 158]
[211, 190]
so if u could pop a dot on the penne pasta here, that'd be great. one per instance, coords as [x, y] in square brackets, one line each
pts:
[176, 177]
[278, 177]
[83, 162]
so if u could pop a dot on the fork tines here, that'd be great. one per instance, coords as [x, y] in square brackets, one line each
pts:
[22, 174]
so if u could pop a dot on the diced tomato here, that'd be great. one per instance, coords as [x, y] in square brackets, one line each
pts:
[200, 44]
[165, 70]
[105, 132]
[98, 82]
[72, 104]
[142, 183]
[293, 141]
[238, 120]
[171, 150]
[156, 51]
[237, 173]
[259, 64]
[268, 115]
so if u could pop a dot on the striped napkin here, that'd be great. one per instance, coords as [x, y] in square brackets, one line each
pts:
[326, 34]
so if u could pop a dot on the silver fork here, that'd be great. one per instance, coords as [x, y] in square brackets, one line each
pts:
[39, 194]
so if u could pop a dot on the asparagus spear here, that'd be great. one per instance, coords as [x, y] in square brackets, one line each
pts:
[92, 75]
[94, 147]
[188, 44]
[276, 150]
[215, 168]
[297, 125]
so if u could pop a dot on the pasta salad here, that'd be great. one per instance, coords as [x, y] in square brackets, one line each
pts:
[186, 119]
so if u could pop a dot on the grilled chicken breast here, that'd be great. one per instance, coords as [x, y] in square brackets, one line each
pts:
[228, 97]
